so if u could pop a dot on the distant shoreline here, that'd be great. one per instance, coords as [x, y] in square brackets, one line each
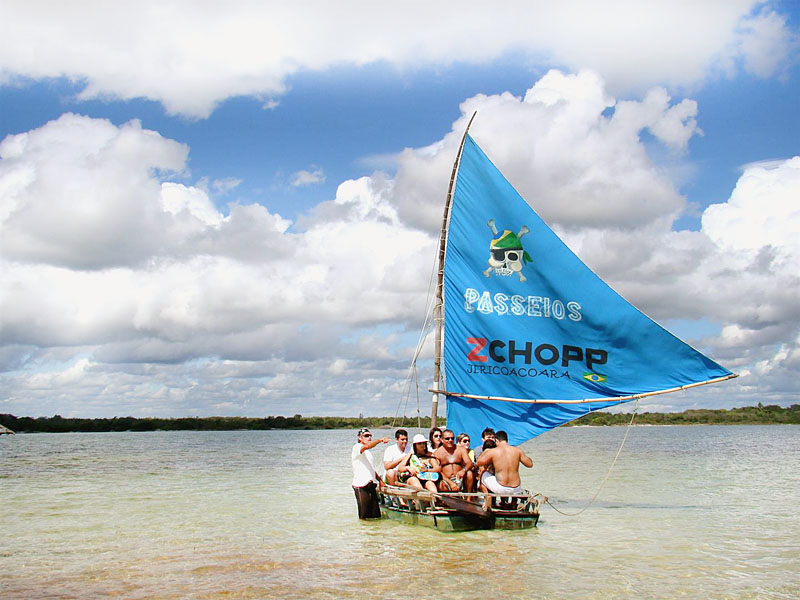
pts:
[746, 415]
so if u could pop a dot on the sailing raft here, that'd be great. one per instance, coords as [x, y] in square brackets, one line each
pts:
[527, 337]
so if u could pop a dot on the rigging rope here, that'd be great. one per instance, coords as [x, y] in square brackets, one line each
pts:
[412, 375]
[416, 383]
[602, 483]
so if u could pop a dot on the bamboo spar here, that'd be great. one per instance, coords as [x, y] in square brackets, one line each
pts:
[438, 309]
[589, 400]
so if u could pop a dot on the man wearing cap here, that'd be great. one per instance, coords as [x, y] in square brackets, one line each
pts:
[365, 478]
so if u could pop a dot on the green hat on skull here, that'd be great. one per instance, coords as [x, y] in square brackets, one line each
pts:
[509, 240]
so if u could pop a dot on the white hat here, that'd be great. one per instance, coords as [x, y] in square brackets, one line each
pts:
[418, 439]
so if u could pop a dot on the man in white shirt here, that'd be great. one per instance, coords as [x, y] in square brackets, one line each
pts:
[365, 478]
[395, 454]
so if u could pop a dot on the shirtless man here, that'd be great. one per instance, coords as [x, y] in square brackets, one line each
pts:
[456, 465]
[505, 459]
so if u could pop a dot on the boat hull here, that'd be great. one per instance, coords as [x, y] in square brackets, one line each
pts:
[415, 511]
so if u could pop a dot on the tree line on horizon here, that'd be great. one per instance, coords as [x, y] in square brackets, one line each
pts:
[746, 415]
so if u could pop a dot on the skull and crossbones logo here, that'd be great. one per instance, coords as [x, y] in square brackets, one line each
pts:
[506, 254]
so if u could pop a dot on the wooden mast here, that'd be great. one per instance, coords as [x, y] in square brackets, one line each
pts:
[438, 308]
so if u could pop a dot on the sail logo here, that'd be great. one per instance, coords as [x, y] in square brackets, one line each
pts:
[500, 351]
[520, 306]
[506, 254]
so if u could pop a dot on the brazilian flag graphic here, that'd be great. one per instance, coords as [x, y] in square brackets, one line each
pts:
[594, 377]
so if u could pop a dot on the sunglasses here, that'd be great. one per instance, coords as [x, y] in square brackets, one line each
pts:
[464, 441]
[366, 435]
[448, 439]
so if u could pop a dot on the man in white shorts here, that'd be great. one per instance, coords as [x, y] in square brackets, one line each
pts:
[505, 460]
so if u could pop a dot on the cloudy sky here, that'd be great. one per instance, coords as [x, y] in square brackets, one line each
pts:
[214, 208]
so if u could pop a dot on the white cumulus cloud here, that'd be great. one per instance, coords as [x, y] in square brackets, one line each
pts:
[125, 289]
[191, 57]
[308, 177]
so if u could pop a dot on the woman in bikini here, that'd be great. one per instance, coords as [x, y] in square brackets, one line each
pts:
[419, 469]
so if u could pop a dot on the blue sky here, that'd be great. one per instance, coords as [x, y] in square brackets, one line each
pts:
[126, 293]
[377, 109]
[368, 111]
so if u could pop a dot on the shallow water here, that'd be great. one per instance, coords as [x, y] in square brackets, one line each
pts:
[697, 511]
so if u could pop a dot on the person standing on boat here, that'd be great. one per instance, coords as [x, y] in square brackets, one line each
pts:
[505, 460]
[365, 478]
[395, 454]
[456, 465]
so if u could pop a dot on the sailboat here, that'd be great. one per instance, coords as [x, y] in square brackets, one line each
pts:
[528, 338]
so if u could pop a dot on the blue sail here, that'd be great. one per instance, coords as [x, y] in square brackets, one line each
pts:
[525, 319]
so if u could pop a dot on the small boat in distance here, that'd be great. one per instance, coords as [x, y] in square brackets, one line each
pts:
[527, 338]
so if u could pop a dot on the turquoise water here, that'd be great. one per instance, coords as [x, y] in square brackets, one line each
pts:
[687, 511]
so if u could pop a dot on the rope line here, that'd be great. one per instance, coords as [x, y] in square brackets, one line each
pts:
[412, 374]
[602, 483]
